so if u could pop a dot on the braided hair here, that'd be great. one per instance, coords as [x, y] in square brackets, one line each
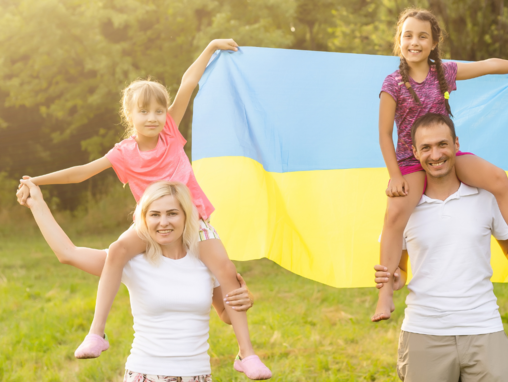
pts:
[434, 57]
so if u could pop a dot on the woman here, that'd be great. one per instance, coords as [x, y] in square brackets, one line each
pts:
[170, 289]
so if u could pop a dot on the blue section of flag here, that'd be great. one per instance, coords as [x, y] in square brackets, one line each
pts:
[296, 110]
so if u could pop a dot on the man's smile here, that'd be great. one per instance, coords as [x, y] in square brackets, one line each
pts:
[437, 164]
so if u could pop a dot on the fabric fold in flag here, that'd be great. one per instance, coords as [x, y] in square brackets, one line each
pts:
[285, 145]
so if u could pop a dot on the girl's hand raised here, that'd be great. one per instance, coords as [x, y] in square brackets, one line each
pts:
[225, 44]
[192, 76]
[397, 187]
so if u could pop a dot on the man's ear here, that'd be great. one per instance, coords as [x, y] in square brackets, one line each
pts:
[415, 152]
[457, 144]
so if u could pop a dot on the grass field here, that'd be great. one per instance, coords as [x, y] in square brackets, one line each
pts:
[304, 330]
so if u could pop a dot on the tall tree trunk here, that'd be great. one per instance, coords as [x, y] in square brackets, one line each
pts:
[500, 28]
[311, 36]
[481, 32]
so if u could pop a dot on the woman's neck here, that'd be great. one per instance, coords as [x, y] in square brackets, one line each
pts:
[418, 71]
[174, 250]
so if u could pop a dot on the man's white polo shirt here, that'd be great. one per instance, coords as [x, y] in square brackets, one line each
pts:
[448, 243]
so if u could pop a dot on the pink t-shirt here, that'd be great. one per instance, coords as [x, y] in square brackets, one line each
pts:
[167, 161]
[408, 111]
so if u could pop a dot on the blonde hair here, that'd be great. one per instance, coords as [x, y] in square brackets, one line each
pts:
[141, 92]
[182, 194]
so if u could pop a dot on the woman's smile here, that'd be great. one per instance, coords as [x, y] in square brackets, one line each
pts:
[164, 232]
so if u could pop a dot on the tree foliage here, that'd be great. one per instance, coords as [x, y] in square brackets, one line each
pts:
[63, 63]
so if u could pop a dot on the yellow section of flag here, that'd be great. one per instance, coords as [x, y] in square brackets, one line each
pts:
[322, 225]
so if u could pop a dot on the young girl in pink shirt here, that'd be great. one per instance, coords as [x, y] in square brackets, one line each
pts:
[155, 152]
[422, 85]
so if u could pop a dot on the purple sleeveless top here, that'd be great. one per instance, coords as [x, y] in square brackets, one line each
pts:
[408, 111]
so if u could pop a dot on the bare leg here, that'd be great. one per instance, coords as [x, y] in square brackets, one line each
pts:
[214, 256]
[398, 211]
[120, 252]
[477, 172]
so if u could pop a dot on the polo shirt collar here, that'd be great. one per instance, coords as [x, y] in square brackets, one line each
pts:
[464, 190]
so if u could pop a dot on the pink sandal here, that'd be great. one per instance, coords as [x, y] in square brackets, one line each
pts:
[92, 346]
[252, 367]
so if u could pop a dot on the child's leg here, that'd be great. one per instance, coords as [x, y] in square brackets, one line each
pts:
[120, 252]
[398, 211]
[214, 256]
[477, 172]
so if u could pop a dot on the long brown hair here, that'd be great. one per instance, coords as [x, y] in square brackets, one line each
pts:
[435, 54]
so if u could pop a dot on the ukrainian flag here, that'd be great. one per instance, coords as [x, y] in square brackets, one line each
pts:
[285, 145]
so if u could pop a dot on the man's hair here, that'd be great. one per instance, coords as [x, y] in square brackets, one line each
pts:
[430, 119]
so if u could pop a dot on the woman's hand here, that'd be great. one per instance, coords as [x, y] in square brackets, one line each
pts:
[23, 192]
[225, 44]
[240, 299]
[397, 187]
[382, 276]
[35, 193]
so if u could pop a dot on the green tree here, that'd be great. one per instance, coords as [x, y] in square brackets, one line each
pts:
[315, 17]
[63, 63]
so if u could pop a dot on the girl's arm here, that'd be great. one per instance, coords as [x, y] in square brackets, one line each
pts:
[87, 259]
[468, 70]
[76, 174]
[192, 76]
[398, 185]
[243, 300]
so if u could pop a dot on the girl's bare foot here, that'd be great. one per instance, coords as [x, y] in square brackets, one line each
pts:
[384, 308]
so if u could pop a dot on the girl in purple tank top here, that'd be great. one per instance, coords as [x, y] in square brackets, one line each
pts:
[422, 85]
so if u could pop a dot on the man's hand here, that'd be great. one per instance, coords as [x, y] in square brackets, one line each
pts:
[225, 44]
[240, 299]
[382, 277]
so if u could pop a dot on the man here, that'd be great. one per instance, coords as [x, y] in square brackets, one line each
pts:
[452, 330]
